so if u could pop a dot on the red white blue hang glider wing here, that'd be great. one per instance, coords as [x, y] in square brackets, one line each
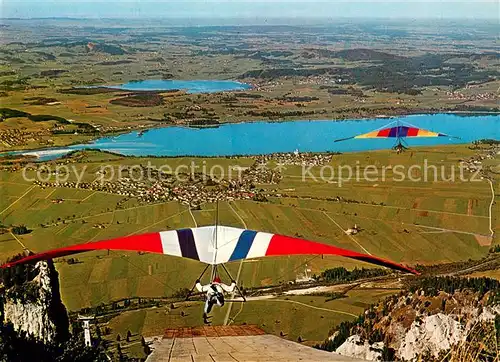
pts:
[214, 245]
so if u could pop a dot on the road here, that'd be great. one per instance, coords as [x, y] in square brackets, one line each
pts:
[491, 207]
[17, 200]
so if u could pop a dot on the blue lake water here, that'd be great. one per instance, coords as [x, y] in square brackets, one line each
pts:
[266, 137]
[191, 86]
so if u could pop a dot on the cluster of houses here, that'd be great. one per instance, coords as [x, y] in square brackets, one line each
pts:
[19, 137]
[296, 158]
[190, 189]
[472, 97]
[475, 162]
[197, 188]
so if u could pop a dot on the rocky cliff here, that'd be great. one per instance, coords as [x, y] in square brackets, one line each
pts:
[456, 318]
[32, 303]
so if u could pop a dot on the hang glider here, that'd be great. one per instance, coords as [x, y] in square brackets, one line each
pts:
[400, 130]
[213, 245]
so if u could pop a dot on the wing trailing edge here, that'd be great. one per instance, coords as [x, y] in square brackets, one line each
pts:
[198, 244]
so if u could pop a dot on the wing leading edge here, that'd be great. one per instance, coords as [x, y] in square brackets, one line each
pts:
[197, 244]
[401, 131]
[398, 132]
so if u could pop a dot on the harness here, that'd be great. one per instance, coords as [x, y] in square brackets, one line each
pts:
[218, 295]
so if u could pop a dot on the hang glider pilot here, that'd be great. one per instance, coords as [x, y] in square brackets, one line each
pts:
[215, 294]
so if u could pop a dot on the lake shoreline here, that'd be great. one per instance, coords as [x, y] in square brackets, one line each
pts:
[197, 86]
[257, 138]
[146, 128]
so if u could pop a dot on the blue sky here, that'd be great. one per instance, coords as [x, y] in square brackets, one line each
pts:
[472, 9]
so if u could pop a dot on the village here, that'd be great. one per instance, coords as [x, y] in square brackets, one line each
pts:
[475, 162]
[197, 188]
[486, 96]
[18, 137]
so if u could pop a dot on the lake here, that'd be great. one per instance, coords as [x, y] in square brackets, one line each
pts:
[191, 86]
[268, 137]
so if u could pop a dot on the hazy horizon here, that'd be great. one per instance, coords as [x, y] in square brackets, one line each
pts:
[217, 10]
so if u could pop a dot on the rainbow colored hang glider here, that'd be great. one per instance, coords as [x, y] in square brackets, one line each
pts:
[398, 131]
[213, 245]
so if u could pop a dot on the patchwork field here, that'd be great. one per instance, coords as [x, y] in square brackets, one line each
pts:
[307, 317]
[424, 222]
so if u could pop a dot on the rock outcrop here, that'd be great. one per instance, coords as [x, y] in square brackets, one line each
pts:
[34, 306]
[355, 347]
[432, 335]
[435, 317]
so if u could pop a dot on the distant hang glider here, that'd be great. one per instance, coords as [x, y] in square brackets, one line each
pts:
[398, 130]
[213, 245]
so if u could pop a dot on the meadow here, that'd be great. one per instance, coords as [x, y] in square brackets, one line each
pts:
[307, 317]
[411, 223]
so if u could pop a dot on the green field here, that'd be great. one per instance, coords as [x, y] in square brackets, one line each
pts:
[309, 317]
[399, 229]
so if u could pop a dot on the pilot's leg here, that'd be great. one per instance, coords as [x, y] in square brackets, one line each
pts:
[208, 305]
[220, 300]
[206, 310]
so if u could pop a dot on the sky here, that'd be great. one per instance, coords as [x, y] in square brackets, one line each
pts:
[220, 9]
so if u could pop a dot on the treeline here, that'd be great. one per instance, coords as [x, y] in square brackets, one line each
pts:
[52, 72]
[343, 91]
[244, 53]
[298, 99]
[291, 72]
[106, 48]
[14, 84]
[433, 285]
[341, 274]
[204, 122]
[19, 346]
[403, 77]
[39, 101]
[20, 230]
[278, 115]
[340, 334]
[354, 55]
[11, 113]
[120, 305]
[115, 62]
[18, 275]
[488, 141]
[88, 91]
[496, 248]
[392, 73]
[248, 95]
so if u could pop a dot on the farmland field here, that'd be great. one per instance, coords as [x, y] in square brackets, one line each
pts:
[400, 221]
[309, 317]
